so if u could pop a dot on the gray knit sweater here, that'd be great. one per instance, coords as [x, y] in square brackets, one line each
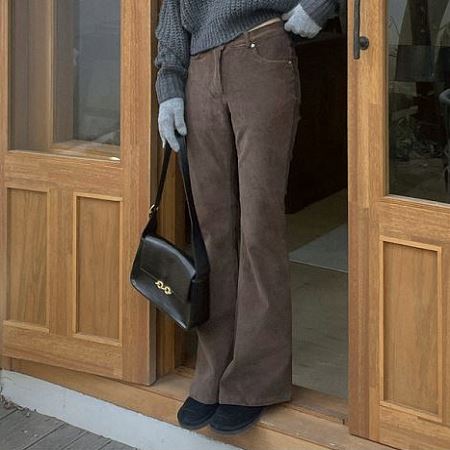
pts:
[187, 27]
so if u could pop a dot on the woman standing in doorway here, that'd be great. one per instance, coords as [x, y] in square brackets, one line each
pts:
[228, 79]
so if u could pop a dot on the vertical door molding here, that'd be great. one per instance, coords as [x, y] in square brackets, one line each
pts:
[360, 116]
[4, 54]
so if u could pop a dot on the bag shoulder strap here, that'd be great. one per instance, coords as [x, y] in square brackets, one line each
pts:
[200, 256]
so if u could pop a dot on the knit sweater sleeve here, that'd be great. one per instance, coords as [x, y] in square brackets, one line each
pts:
[172, 59]
[320, 10]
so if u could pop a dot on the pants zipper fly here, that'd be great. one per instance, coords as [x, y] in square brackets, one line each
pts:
[216, 84]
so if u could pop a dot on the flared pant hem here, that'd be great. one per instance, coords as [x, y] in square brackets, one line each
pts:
[266, 401]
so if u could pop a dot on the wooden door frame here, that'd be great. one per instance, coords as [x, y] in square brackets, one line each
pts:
[5, 362]
[138, 108]
[170, 339]
[359, 168]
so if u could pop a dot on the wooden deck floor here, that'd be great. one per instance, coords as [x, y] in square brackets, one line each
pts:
[22, 429]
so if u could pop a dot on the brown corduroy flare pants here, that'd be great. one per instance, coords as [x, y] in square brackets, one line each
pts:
[242, 111]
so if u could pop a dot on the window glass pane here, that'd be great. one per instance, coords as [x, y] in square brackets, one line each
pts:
[65, 75]
[419, 79]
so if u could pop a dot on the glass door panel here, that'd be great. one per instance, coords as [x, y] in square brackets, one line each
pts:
[419, 98]
[65, 77]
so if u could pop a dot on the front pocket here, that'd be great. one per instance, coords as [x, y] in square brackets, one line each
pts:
[277, 48]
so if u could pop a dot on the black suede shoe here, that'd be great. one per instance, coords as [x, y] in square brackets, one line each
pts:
[232, 419]
[194, 414]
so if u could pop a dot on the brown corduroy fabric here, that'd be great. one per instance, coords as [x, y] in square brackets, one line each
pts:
[242, 111]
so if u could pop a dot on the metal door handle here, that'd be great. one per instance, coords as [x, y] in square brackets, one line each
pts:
[359, 42]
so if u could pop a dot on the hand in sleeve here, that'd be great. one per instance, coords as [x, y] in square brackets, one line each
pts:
[171, 118]
[172, 62]
[299, 22]
[309, 16]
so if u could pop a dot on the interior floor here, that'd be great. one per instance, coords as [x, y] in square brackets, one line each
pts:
[319, 287]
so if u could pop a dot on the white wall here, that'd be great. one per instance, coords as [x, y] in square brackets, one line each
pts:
[100, 417]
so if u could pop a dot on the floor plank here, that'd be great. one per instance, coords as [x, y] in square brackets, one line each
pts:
[19, 430]
[59, 438]
[22, 429]
[88, 441]
[6, 411]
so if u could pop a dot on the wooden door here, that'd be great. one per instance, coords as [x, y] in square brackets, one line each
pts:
[400, 224]
[75, 118]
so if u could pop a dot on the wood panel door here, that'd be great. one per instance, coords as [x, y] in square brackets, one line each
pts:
[75, 119]
[400, 223]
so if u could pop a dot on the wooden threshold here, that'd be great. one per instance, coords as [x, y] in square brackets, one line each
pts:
[280, 427]
[305, 400]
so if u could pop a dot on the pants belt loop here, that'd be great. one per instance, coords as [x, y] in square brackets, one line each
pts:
[247, 38]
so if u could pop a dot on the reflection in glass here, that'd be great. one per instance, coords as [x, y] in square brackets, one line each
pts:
[96, 53]
[65, 83]
[419, 76]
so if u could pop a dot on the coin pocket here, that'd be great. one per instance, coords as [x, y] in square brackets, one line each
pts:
[273, 49]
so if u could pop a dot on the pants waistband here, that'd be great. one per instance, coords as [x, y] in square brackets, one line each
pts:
[246, 37]
[267, 22]
[250, 35]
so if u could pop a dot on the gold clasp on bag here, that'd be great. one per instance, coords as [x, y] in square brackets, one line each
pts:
[161, 286]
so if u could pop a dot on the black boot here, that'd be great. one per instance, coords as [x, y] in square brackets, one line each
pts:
[232, 419]
[194, 414]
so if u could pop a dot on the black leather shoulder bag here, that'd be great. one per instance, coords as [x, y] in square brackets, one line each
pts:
[174, 281]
